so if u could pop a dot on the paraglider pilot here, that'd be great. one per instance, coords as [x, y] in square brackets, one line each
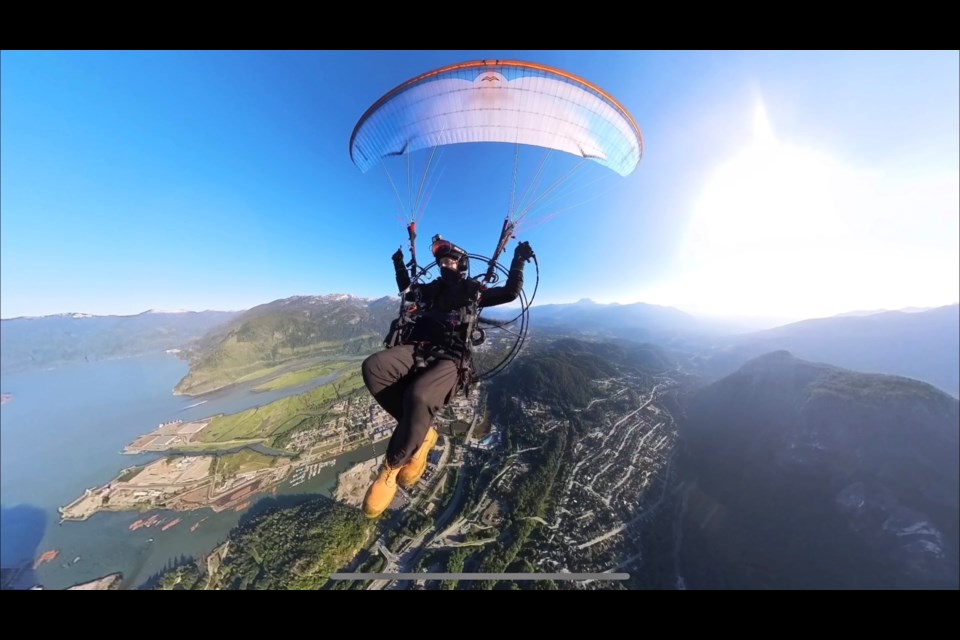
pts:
[429, 361]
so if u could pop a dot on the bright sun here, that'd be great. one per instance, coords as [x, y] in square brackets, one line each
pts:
[782, 230]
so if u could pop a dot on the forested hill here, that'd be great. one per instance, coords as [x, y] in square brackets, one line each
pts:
[287, 330]
[565, 371]
[812, 476]
[294, 547]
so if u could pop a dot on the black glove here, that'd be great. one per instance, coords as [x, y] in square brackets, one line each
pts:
[398, 259]
[523, 251]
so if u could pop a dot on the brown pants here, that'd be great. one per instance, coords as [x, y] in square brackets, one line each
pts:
[412, 396]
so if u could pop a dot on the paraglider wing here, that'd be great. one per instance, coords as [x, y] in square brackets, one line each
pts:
[503, 101]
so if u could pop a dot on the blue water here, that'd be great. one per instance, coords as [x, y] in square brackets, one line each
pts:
[63, 432]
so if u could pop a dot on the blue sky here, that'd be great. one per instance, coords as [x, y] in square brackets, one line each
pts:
[779, 184]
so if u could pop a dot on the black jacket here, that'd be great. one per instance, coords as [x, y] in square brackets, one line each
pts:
[440, 319]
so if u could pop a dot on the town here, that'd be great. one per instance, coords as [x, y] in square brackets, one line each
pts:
[616, 479]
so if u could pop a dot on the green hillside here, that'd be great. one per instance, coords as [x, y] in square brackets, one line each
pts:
[284, 336]
[294, 547]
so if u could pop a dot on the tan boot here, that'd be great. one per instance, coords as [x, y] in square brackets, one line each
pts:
[381, 492]
[410, 473]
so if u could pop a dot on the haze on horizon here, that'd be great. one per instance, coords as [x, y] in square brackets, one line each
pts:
[773, 184]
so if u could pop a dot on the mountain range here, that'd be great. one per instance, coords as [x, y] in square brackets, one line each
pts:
[924, 345]
[921, 344]
[30, 343]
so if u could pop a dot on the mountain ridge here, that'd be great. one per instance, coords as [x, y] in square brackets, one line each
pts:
[923, 345]
[34, 343]
[800, 455]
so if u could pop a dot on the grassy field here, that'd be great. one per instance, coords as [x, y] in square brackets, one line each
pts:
[257, 374]
[130, 474]
[213, 447]
[482, 429]
[459, 427]
[262, 423]
[233, 362]
[242, 462]
[295, 378]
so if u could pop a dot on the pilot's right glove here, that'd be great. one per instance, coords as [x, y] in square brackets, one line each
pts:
[398, 259]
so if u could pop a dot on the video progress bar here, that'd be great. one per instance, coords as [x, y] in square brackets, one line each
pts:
[480, 576]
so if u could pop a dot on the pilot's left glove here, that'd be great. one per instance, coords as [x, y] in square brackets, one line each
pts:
[523, 252]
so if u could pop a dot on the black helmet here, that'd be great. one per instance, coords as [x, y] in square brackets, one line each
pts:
[442, 248]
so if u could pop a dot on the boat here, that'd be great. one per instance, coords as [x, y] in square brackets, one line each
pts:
[172, 523]
[46, 556]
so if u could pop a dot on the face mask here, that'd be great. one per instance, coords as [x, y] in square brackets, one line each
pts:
[449, 276]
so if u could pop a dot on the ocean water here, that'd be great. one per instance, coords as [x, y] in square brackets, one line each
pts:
[64, 431]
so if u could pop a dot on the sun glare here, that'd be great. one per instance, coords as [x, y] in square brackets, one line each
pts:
[784, 230]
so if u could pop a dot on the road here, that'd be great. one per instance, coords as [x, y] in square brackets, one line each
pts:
[412, 551]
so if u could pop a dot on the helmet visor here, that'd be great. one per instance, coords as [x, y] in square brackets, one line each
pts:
[441, 248]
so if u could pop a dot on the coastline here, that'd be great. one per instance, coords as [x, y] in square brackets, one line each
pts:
[182, 475]
[189, 481]
[106, 583]
[182, 483]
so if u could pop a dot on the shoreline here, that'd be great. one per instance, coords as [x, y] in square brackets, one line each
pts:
[189, 473]
[187, 482]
